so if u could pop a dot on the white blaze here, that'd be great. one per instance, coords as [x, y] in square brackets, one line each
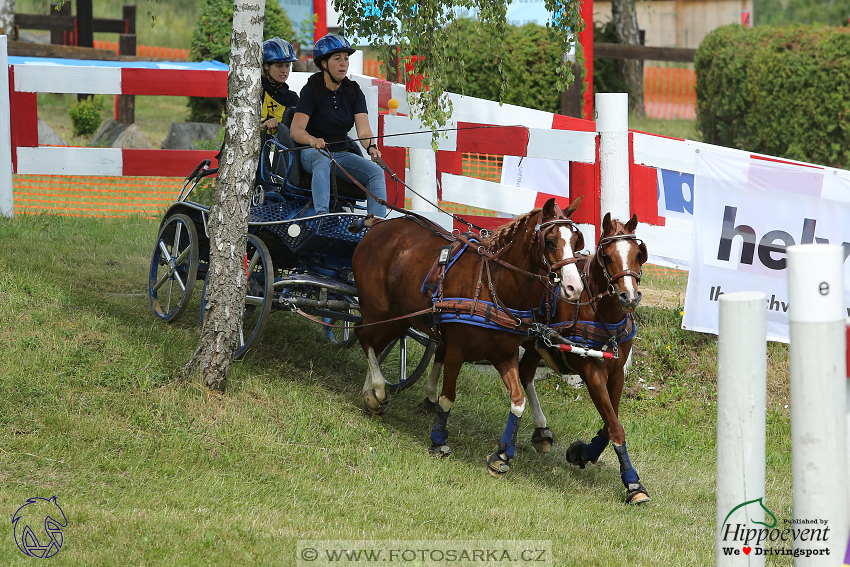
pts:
[569, 272]
[623, 248]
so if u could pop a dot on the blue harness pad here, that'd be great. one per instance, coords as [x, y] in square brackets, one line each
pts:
[613, 328]
[480, 321]
[423, 289]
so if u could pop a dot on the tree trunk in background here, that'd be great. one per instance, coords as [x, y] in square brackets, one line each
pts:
[228, 221]
[624, 16]
[7, 19]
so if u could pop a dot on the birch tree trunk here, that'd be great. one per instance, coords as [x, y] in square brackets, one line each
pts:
[624, 17]
[228, 222]
[7, 18]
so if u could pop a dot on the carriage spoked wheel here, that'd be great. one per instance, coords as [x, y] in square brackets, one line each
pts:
[397, 358]
[259, 297]
[174, 267]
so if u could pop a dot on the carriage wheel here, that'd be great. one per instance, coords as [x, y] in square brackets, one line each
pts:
[174, 267]
[394, 360]
[258, 300]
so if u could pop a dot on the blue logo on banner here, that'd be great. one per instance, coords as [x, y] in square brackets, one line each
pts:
[38, 529]
[676, 192]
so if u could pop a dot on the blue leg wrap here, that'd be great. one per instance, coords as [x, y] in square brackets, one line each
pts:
[507, 443]
[439, 433]
[627, 472]
[329, 332]
[593, 450]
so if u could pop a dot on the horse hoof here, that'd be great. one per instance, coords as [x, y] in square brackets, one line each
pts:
[440, 450]
[427, 406]
[637, 494]
[372, 405]
[497, 466]
[542, 439]
[575, 454]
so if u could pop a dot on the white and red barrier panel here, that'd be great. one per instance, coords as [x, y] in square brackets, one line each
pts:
[31, 75]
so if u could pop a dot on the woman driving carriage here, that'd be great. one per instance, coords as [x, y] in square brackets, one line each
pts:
[330, 104]
[278, 56]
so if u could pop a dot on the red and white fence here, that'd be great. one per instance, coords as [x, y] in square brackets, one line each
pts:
[31, 77]
[480, 127]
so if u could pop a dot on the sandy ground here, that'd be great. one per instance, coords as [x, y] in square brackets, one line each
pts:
[661, 298]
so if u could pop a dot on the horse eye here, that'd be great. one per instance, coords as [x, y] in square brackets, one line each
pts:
[551, 242]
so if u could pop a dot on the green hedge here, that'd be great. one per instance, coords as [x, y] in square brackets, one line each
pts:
[211, 42]
[532, 62]
[777, 91]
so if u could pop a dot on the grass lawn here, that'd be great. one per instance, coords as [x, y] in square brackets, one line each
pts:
[684, 129]
[154, 471]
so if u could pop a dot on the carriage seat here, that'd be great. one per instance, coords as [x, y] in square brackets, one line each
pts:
[298, 177]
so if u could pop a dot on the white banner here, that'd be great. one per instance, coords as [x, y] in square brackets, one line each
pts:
[745, 214]
[541, 175]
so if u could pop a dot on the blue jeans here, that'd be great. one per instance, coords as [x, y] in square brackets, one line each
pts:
[363, 170]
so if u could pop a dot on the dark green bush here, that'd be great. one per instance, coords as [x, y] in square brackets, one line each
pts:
[532, 62]
[87, 115]
[211, 42]
[776, 91]
[607, 73]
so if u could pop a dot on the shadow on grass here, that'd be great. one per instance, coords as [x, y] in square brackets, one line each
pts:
[474, 427]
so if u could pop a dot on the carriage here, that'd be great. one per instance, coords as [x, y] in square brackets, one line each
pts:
[295, 261]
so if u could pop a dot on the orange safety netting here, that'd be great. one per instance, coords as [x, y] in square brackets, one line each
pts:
[669, 92]
[150, 51]
[89, 196]
[663, 271]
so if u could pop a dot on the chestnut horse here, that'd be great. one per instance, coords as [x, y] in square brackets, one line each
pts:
[391, 265]
[602, 320]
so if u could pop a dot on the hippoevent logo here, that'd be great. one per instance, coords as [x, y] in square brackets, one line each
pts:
[38, 529]
[798, 537]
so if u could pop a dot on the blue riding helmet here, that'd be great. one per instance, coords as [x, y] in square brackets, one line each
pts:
[276, 50]
[329, 45]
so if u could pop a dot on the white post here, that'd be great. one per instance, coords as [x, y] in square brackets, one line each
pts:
[6, 199]
[612, 124]
[423, 179]
[818, 406]
[355, 63]
[741, 396]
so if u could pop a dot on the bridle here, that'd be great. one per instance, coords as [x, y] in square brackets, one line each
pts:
[540, 239]
[620, 234]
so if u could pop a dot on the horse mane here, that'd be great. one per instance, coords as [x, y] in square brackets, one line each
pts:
[506, 233]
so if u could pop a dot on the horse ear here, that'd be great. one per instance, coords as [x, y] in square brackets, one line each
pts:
[632, 224]
[548, 208]
[573, 206]
[580, 241]
[606, 224]
[643, 255]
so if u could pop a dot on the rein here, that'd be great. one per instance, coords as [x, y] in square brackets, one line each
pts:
[474, 307]
[481, 250]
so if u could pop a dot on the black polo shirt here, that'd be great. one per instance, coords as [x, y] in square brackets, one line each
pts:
[334, 118]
